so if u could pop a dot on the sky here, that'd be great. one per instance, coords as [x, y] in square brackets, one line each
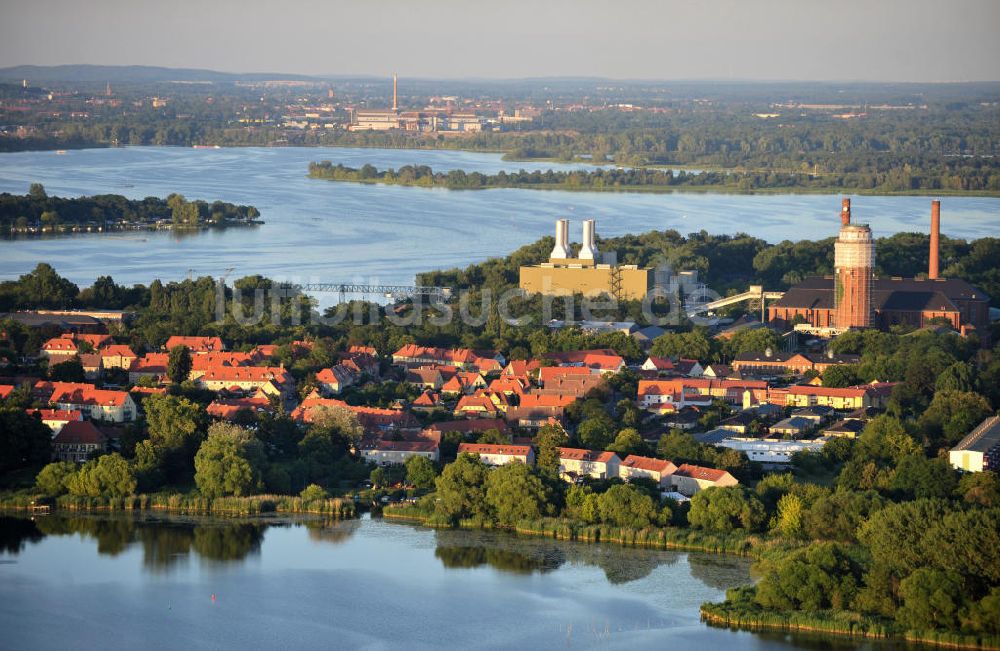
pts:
[865, 40]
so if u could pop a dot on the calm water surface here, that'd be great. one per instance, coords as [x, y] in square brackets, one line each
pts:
[117, 582]
[340, 232]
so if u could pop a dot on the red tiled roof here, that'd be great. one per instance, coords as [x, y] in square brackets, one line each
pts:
[79, 432]
[66, 415]
[700, 472]
[117, 350]
[649, 463]
[487, 448]
[5, 390]
[246, 374]
[90, 396]
[400, 446]
[579, 454]
[466, 426]
[547, 400]
[830, 392]
[196, 344]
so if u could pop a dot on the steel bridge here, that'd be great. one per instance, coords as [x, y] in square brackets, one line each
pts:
[754, 293]
[388, 291]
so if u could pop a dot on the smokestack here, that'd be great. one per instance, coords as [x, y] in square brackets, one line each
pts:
[588, 250]
[394, 105]
[932, 268]
[561, 250]
[845, 212]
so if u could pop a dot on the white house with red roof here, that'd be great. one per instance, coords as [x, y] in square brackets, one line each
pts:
[689, 479]
[117, 356]
[659, 470]
[56, 419]
[98, 404]
[500, 455]
[335, 379]
[576, 463]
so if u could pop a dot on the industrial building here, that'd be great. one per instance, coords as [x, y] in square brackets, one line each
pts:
[854, 298]
[588, 272]
[980, 450]
[419, 121]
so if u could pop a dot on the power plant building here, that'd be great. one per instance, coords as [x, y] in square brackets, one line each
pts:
[589, 273]
[854, 298]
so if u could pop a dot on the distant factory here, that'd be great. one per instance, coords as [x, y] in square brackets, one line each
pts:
[854, 298]
[588, 272]
[428, 120]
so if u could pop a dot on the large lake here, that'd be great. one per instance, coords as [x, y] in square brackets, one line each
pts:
[90, 582]
[322, 231]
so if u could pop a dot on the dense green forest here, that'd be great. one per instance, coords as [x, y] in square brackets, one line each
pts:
[38, 211]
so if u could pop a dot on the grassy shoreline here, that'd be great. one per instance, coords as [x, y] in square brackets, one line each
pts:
[185, 504]
[843, 624]
[706, 189]
[666, 538]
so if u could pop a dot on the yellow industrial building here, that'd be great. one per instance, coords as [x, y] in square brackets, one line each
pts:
[589, 273]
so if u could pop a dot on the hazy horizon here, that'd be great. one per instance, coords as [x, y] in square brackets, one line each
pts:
[640, 40]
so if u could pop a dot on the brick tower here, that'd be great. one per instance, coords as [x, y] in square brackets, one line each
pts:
[854, 269]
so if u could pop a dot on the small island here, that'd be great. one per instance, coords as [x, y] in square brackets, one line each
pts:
[37, 213]
[633, 179]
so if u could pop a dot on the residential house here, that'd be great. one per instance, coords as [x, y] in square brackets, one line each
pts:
[657, 367]
[335, 379]
[846, 428]
[466, 427]
[92, 365]
[477, 405]
[197, 345]
[426, 377]
[793, 427]
[272, 380]
[499, 455]
[228, 408]
[150, 365]
[659, 470]
[60, 349]
[98, 404]
[77, 441]
[375, 420]
[426, 401]
[576, 463]
[689, 479]
[56, 419]
[384, 452]
[117, 356]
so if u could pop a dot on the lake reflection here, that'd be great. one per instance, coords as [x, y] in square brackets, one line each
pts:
[154, 582]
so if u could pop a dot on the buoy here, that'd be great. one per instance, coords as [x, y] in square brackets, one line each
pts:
[213, 596]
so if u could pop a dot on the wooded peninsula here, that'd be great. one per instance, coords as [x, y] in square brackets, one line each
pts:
[639, 179]
[37, 213]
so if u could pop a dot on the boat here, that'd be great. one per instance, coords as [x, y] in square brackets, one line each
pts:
[206, 147]
[61, 152]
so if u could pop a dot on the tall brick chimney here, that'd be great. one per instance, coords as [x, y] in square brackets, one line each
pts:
[932, 268]
[845, 212]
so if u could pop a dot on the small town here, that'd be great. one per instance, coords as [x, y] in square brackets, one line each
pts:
[527, 326]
